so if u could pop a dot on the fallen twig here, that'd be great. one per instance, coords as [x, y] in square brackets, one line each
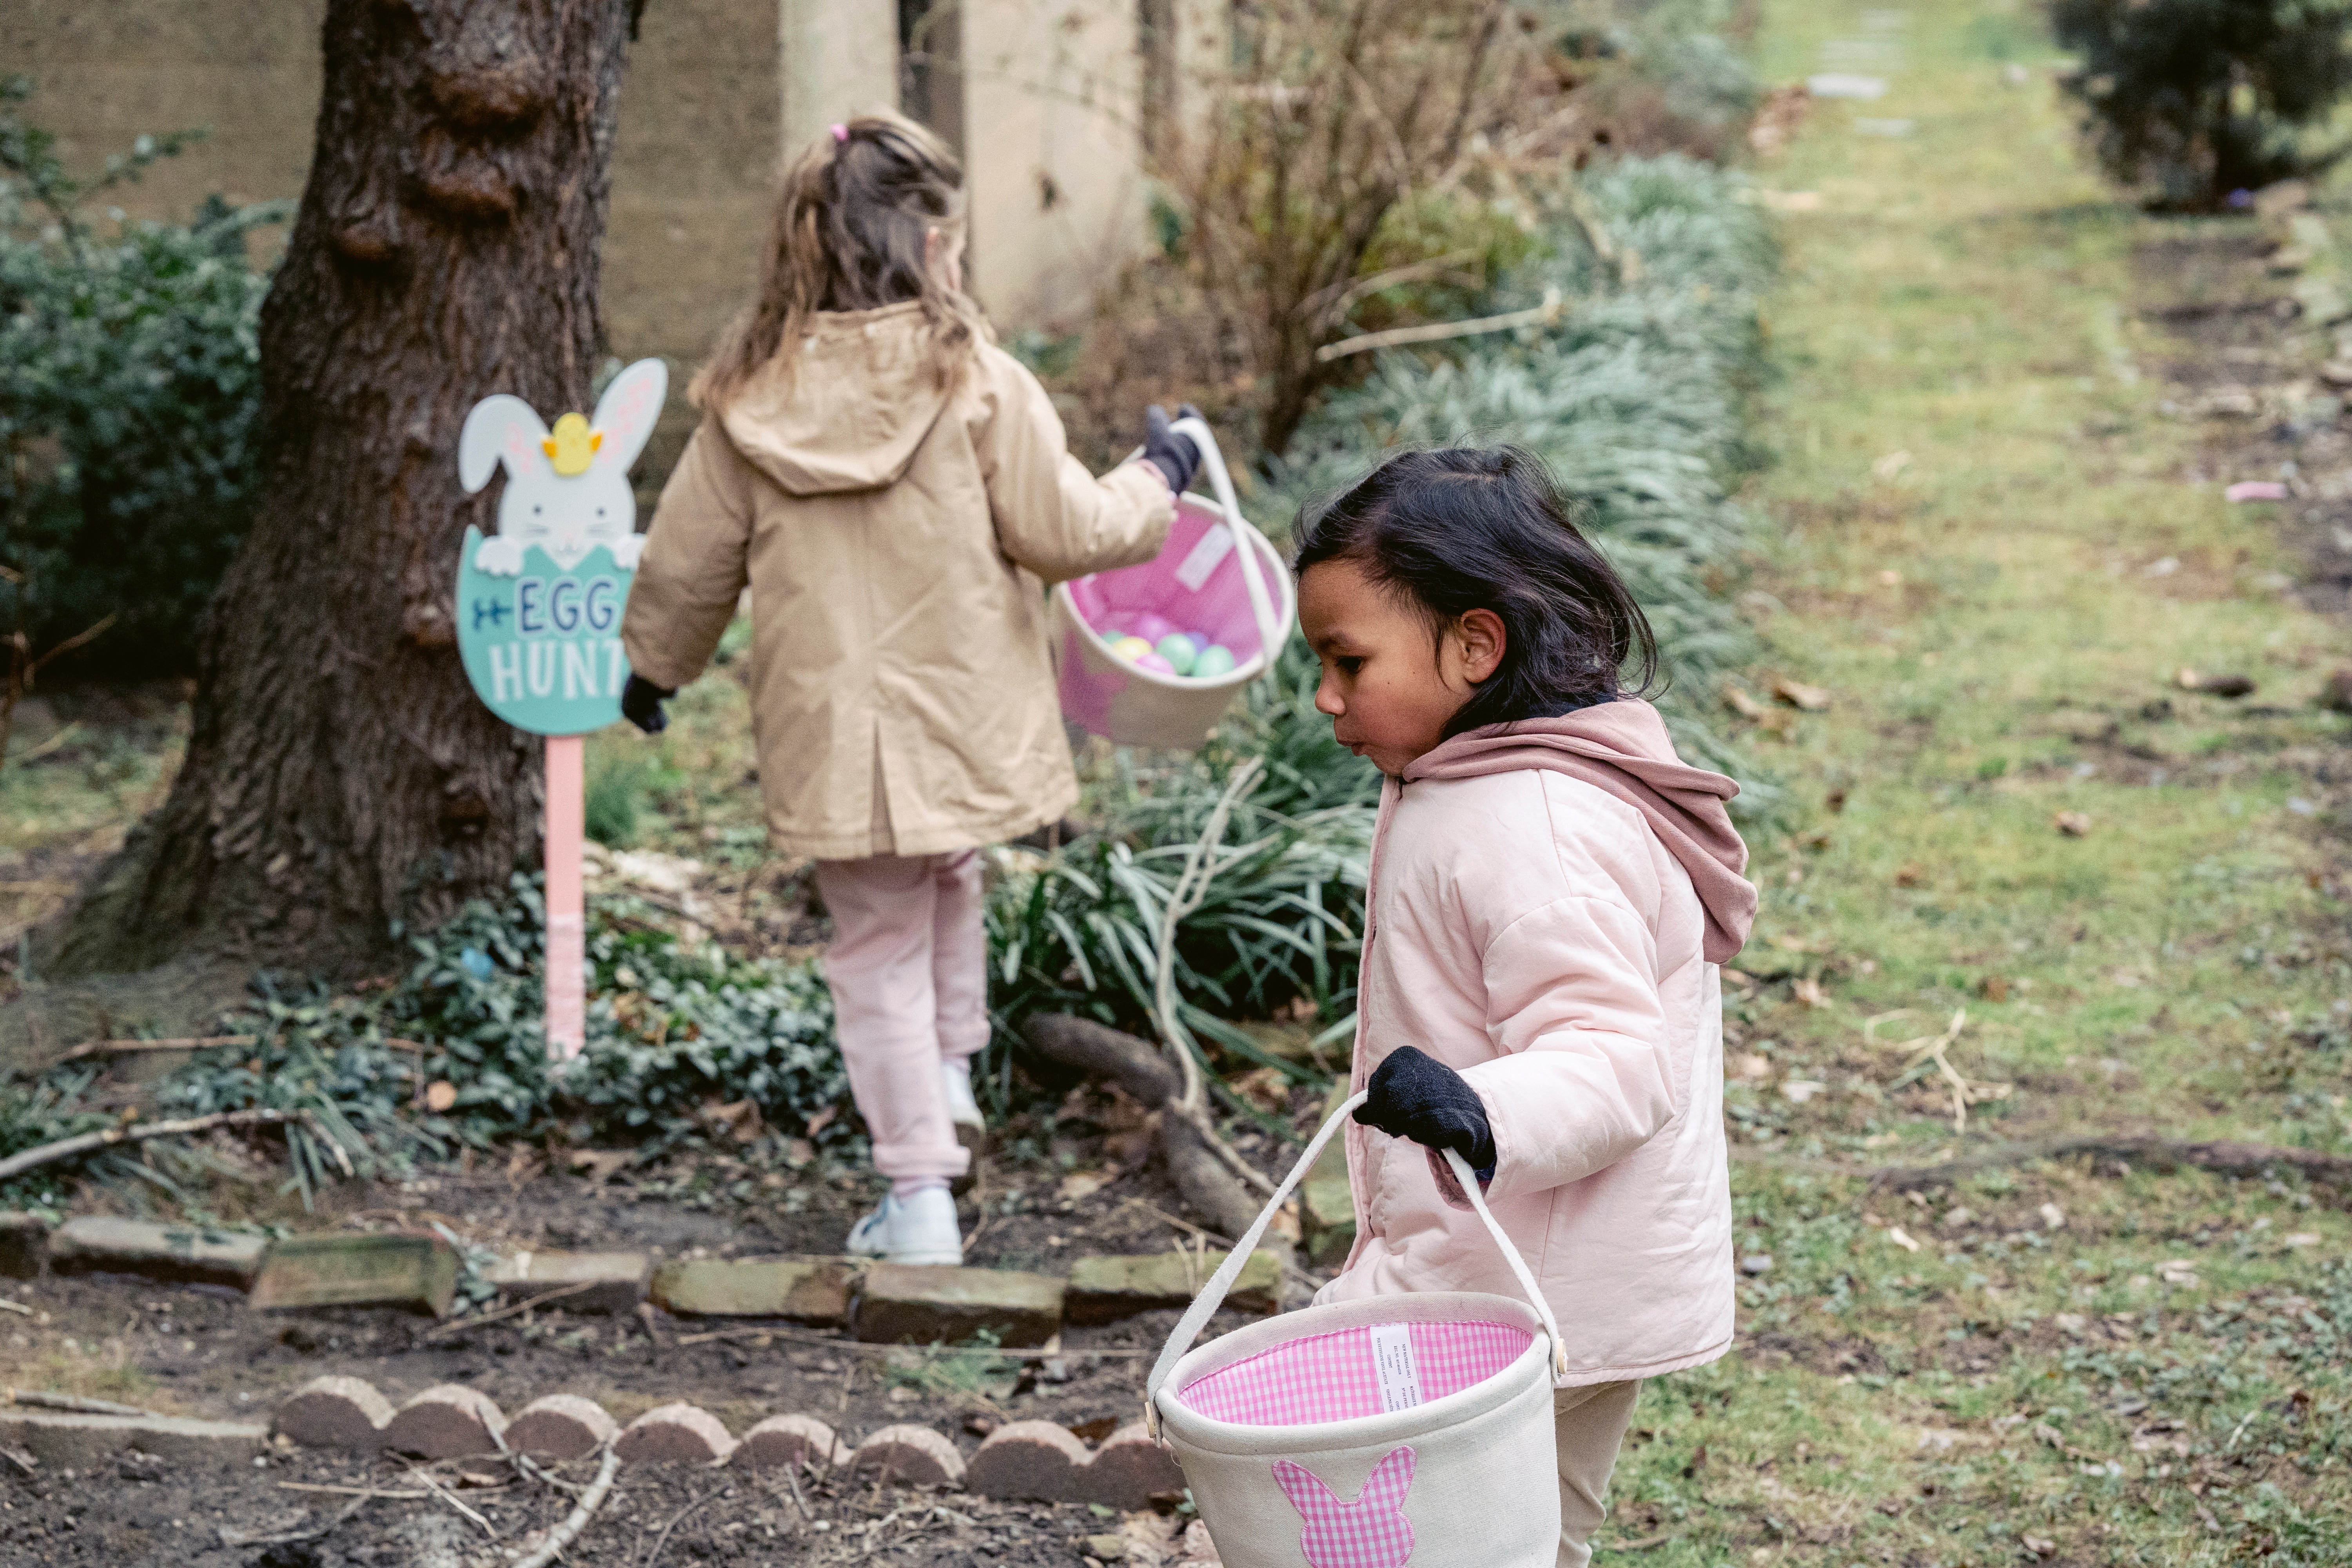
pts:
[394, 1492]
[663, 1539]
[291, 1537]
[569, 1528]
[2222, 1157]
[67, 1148]
[1936, 1049]
[461, 1324]
[125, 1047]
[861, 1347]
[73, 1401]
[436, 1489]
[18, 1307]
[1547, 314]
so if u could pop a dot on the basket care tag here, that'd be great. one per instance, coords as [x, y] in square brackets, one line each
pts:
[1214, 547]
[1393, 1364]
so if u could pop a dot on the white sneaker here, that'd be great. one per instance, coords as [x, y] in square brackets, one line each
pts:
[955, 1078]
[920, 1230]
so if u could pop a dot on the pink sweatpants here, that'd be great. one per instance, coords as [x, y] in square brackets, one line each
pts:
[909, 969]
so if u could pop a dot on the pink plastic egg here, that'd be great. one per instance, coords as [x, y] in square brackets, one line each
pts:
[1150, 626]
[1154, 663]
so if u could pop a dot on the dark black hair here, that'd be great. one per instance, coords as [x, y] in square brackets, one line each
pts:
[1468, 528]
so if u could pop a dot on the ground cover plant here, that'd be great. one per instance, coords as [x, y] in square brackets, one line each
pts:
[130, 386]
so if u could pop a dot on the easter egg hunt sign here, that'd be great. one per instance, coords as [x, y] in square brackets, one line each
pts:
[542, 647]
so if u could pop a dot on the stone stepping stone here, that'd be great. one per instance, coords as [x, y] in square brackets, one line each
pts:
[592, 1281]
[335, 1412]
[807, 1290]
[417, 1272]
[678, 1434]
[1103, 1290]
[915, 1456]
[794, 1442]
[902, 1303]
[447, 1422]
[561, 1426]
[182, 1254]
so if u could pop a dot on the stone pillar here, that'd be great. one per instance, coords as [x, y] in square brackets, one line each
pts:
[840, 58]
[1052, 150]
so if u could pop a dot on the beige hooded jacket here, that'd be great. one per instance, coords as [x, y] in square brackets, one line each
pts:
[895, 537]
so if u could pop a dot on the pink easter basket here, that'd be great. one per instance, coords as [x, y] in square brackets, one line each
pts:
[1242, 598]
[1372, 1433]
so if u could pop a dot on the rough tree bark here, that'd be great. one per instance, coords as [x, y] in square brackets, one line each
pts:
[341, 775]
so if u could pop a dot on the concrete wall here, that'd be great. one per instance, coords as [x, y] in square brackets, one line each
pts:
[1045, 98]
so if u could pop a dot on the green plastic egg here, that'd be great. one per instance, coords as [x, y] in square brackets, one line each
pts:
[1177, 649]
[1215, 659]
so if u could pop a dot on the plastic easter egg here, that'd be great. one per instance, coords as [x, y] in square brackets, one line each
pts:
[1151, 627]
[1178, 650]
[1154, 663]
[1215, 659]
[1133, 649]
[1198, 639]
[1110, 631]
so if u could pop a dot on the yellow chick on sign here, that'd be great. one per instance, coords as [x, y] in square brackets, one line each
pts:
[572, 444]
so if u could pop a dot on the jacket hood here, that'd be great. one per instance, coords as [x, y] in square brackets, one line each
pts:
[856, 399]
[1622, 747]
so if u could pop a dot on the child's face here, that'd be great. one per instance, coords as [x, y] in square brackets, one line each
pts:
[1389, 686]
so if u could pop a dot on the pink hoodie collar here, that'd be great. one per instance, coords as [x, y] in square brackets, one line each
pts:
[1622, 747]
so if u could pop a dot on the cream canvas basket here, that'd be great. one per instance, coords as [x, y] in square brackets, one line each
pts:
[1412, 1429]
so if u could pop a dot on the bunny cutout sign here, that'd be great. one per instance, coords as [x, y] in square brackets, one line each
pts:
[1372, 1531]
[539, 615]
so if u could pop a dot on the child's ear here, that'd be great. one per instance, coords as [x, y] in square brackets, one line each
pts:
[1479, 634]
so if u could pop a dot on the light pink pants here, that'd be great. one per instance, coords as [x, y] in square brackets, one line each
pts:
[909, 969]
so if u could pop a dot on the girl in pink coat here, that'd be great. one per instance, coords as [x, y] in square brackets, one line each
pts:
[1551, 893]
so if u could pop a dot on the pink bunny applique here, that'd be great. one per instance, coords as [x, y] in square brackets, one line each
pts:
[1370, 1532]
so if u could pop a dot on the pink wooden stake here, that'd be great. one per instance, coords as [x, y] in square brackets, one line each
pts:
[567, 990]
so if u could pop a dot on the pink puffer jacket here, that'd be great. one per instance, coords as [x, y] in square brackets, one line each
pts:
[1530, 929]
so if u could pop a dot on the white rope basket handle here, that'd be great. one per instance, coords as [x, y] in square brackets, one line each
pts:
[1245, 536]
[1213, 1295]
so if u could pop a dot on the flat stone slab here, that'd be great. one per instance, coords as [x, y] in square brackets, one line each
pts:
[794, 1441]
[335, 1412]
[807, 1290]
[24, 1244]
[416, 1272]
[447, 1422]
[182, 1254]
[76, 1442]
[1329, 1210]
[901, 1303]
[561, 1426]
[913, 1456]
[678, 1434]
[1103, 1290]
[592, 1281]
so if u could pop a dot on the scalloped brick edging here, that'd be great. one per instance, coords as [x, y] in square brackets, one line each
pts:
[1027, 1459]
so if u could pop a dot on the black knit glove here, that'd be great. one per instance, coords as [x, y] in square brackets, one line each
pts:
[641, 704]
[1175, 456]
[1415, 1096]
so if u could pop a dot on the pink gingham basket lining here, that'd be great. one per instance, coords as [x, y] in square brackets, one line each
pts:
[1331, 1377]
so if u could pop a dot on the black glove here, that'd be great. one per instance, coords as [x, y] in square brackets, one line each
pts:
[641, 704]
[1175, 456]
[1415, 1096]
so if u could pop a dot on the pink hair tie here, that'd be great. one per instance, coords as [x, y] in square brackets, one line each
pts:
[841, 134]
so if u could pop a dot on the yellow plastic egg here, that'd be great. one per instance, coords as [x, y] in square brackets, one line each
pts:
[1130, 648]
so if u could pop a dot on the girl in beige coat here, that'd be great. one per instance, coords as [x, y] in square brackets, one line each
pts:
[894, 491]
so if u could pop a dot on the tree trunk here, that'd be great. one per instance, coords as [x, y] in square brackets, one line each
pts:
[341, 775]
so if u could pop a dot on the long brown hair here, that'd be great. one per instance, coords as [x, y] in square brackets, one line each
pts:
[850, 233]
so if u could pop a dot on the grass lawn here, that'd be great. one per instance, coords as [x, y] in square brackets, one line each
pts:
[1993, 550]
